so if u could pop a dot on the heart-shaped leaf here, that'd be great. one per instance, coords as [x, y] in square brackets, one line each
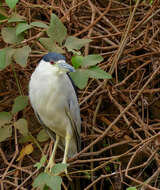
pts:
[74, 43]
[21, 55]
[80, 78]
[91, 60]
[42, 136]
[22, 126]
[9, 35]
[56, 31]
[51, 45]
[20, 103]
[98, 73]
[5, 132]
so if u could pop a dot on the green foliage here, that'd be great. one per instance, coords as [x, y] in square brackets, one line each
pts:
[108, 169]
[16, 18]
[56, 31]
[21, 55]
[9, 35]
[72, 43]
[39, 24]
[77, 61]
[40, 164]
[2, 59]
[91, 60]
[56, 41]
[131, 188]
[6, 57]
[42, 136]
[11, 3]
[59, 168]
[52, 180]
[5, 116]
[50, 45]
[19, 104]
[21, 27]
[5, 132]
[22, 126]
[81, 76]
[5, 125]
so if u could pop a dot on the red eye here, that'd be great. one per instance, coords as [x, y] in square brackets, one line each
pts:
[52, 62]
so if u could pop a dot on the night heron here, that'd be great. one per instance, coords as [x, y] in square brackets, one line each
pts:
[53, 98]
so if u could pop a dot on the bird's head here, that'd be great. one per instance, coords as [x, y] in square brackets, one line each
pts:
[58, 61]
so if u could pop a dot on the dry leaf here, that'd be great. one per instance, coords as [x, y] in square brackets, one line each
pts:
[28, 149]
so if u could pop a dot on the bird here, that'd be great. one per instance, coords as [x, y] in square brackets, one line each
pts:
[54, 100]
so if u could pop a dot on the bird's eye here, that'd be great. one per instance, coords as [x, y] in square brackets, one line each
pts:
[52, 62]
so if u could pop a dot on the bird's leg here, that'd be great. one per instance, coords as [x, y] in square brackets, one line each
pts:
[67, 141]
[51, 162]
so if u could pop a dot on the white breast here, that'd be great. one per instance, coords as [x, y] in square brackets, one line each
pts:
[46, 92]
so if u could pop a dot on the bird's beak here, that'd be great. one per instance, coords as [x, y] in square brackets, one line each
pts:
[60, 69]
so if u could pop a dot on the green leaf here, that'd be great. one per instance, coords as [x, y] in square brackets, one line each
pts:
[39, 24]
[40, 179]
[98, 73]
[80, 78]
[21, 27]
[16, 18]
[25, 139]
[6, 57]
[5, 132]
[5, 119]
[43, 159]
[20, 103]
[57, 31]
[54, 182]
[22, 126]
[40, 164]
[131, 188]
[9, 35]
[45, 188]
[42, 136]
[51, 45]
[2, 59]
[5, 116]
[37, 165]
[73, 43]
[2, 17]
[59, 168]
[21, 55]
[77, 61]
[11, 3]
[91, 60]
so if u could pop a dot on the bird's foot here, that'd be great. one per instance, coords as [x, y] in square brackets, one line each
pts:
[66, 172]
[49, 166]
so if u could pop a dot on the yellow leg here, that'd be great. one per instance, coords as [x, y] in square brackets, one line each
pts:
[67, 141]
[51, 162]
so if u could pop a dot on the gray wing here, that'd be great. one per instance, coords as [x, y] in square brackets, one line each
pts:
[73, 113]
